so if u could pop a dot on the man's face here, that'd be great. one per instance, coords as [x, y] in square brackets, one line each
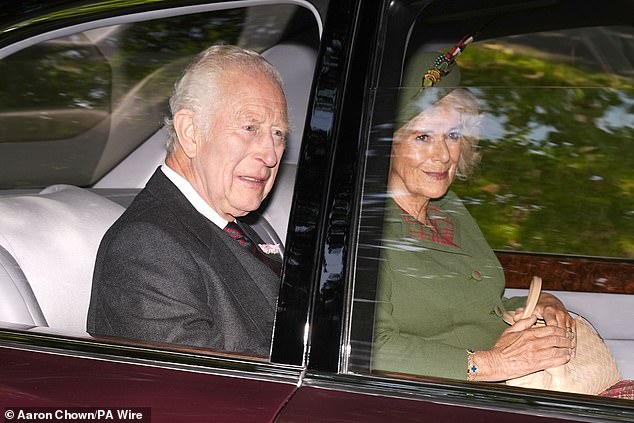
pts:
[235, 167]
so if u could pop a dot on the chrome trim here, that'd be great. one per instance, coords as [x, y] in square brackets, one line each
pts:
[480, 395]
[197, 362]
[138, 17]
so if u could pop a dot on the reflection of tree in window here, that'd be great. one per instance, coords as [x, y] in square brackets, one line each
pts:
[42, 85]
[557, 173]
[95, 96]
[146, 46]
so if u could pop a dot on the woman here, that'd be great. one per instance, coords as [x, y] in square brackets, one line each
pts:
[440, 288]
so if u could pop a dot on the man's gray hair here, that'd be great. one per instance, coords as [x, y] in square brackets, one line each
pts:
[197, 89]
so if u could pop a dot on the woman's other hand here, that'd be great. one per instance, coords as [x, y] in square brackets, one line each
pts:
[554, 313]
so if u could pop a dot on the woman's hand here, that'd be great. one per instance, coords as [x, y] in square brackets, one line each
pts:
[554, 313]
[524, 349]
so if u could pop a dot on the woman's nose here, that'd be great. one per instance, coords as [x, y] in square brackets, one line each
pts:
[439, 150]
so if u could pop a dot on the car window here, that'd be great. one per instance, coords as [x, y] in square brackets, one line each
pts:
[81, 105]
[73, 107]
[566, 121]
[552, 193]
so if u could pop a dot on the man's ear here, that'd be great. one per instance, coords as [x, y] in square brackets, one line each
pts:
[186, 132]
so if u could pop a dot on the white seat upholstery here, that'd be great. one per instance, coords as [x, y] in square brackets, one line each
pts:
[53, 237]
[17, 301]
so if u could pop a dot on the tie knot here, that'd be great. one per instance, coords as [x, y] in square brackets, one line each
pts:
[234, 230]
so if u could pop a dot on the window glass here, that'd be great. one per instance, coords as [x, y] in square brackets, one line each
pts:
[553, 125]
[71, 108]
[557, 172]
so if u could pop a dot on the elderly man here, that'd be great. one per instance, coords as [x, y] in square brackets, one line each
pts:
[170, 269]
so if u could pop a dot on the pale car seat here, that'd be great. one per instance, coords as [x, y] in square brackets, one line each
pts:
[53, 236]
[17, 302]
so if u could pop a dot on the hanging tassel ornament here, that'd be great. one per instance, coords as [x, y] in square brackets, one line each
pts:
[444, 63]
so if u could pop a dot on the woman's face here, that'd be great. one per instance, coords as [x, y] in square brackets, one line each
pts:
[426, 152]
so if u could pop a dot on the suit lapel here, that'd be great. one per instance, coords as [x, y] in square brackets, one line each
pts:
[166, 192]
[253, 285]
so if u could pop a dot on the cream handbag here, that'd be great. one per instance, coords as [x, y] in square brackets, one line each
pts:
[592, 369]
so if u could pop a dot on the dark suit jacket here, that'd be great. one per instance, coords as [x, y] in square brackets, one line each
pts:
[166, 273]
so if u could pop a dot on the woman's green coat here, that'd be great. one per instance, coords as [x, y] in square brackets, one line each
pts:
[435, 301]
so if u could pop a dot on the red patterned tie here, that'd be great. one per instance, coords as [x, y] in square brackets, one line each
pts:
[235, 232]
[238, 234]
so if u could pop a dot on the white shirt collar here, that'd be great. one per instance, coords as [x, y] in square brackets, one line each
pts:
[193, 197]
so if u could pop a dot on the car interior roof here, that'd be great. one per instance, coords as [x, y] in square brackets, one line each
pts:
[497, 18]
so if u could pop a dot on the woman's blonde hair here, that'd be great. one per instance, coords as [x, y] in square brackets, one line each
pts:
[466, 104]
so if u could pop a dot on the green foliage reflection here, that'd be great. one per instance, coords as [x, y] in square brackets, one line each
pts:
[558, 171]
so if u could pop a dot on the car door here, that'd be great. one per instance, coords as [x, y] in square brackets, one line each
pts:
[356, 118]
[84, 94]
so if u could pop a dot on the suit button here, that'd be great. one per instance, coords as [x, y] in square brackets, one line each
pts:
[476, 275]
[498, 311]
